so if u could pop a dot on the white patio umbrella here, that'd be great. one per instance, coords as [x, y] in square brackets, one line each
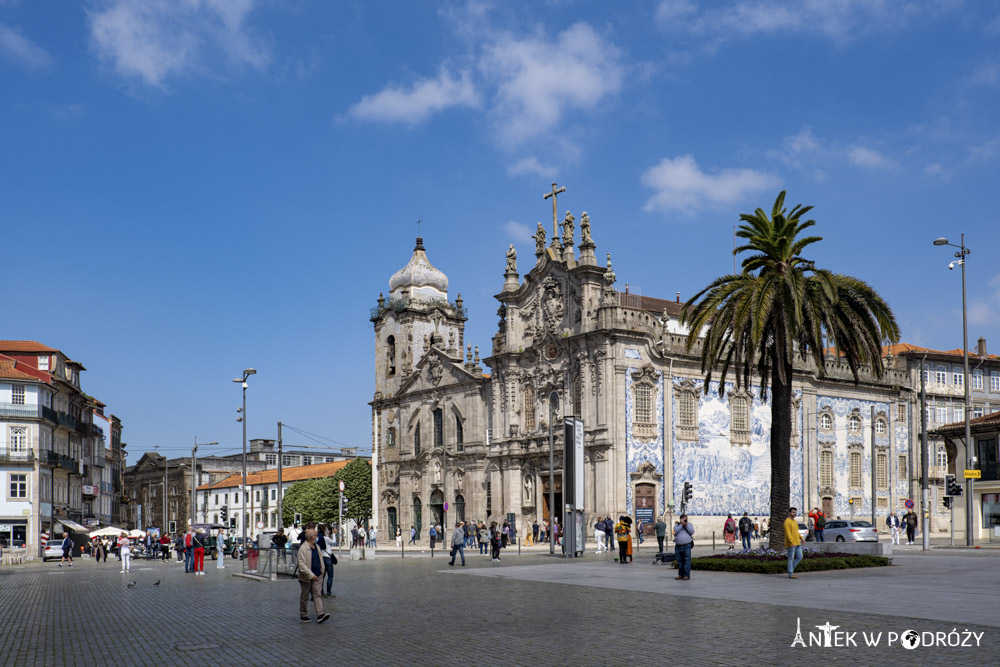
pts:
[135, 532]
[108, 531]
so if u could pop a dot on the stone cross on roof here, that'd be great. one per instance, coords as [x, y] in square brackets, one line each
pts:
[555, 208]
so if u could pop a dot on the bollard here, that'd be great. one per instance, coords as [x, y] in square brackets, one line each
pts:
[519, 546]
[713, 540]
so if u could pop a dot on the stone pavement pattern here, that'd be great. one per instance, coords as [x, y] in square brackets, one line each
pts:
[419, 611]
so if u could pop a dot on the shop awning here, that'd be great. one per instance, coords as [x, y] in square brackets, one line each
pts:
[73, 526]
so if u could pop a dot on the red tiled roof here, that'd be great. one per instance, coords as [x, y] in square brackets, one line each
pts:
[293, 474]
[24, 346]
[902, 348]
[649, 303]
[992, 419]
[12, 369]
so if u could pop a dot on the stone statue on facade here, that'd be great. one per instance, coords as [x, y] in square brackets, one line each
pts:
[585, 230]
[511, 260]
[539, 240]
[567, 225]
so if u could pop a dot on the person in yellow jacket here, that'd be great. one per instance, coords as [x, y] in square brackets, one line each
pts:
[623, 532]
[793, 542]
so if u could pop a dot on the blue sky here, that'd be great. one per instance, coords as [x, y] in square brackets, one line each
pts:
[192, 187]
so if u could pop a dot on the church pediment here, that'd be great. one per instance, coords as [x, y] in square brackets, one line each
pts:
[435, 371]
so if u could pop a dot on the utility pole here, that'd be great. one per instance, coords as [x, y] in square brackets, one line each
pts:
[281, 520]
[925, 489]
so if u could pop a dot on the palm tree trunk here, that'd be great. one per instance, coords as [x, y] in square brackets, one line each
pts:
[781, 438]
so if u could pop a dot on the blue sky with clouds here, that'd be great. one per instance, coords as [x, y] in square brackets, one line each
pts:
[190, 187]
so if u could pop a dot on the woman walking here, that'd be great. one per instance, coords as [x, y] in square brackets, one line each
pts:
[729, 531]
[198, 542]
[125, 552]
[399, 537]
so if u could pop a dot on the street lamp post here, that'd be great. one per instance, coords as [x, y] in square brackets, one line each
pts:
[962, 253]
[242, 418]
[194, 478]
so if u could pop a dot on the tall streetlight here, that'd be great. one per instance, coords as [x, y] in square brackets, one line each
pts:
[553, 402]
[242, 418]
[961, 254]
[194, 477]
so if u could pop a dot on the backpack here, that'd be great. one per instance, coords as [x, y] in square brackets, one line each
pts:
[820, 522]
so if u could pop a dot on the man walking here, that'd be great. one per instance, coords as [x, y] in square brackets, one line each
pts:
[67, 548]
[793, 543]
[746, 528]
[310, 569]
[683, 541]
[609, 531]
[893, 522]
[660, 527]
[458, 543]
[818, 522]
[534, 531]
[910, 519]
[599, 535]
[413, 535]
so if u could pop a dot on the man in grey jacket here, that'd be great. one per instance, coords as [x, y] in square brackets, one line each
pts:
[683, 541]
[458, 543]
[310, 573]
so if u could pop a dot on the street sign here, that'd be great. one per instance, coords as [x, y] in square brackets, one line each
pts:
[260, 525]
[908, 504]
[341, 485]
[973, 474]
[446, 507]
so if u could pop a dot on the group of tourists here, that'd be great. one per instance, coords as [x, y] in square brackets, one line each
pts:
[746, 528]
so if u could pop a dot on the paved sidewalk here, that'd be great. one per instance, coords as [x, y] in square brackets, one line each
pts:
[419, 611]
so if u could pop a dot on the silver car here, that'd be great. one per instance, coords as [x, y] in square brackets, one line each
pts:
[854, 530]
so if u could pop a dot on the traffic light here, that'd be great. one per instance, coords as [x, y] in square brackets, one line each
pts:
[225, 513]
[951, 486]
[232, 523]
[947, 502]
[298, 518]
[688, 492]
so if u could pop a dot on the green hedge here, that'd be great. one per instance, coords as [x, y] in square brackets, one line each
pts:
[839, 562]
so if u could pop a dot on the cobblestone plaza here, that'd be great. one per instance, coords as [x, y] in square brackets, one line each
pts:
[528, 609]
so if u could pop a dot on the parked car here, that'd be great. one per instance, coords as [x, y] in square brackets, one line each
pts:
[854, 530]
[52, 550]
[803, 531]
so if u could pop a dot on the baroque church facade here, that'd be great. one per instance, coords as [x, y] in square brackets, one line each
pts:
[453, 429]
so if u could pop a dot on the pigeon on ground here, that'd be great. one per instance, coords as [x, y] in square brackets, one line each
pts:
[157, 583]
[132, 585]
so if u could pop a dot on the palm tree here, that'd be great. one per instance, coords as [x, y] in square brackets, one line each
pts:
[779, 307]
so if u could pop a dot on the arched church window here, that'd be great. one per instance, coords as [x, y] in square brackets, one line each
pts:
[438, 427]
[459, 434]
[416, 440]
[417, 514]
[390, 437]
[529, 409]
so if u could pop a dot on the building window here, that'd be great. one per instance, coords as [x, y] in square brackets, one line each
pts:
[416, 439]
[977, 412]
[18, 440]
[687, 411]
[417, 510]
[941, 375]
[826, 422]
[882, 503]
[739, 426]
[271, 460]
[489, 496]
[927, 375]
[882, 471]
[643, 403]
[257, 496]
[977, 379]
[17, 394]
[942, 456]
[826, 469]
[286, 460]
[994, 381]
[307, 460]
[460, 507]
[274, 494]
[18, 486]
[43, 362]
[459, 434]
[438, 427]
[529, 409]
[855, 424]
[958, 378]
[855, 470]
[901, 413]
[329, 459]
[390, 437]
[217, 499]
[880, 427]
[958, 413]
[941, 415]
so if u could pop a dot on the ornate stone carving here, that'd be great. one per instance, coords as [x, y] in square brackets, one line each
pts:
[539, 241]
[553, 307]
[511, 259]
[435, 371]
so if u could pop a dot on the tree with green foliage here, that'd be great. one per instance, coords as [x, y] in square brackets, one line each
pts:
[314, 499]
[779, 307]
[357, 476]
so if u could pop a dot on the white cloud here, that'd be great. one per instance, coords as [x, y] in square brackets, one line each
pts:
[838, 20]
[518, 231]
[936, 170]
[419, 101]
[540, 79]
[531, 165]
[987, 74]
[861, 156]
[679, 184]
[151, 40]
[986, 311]
[15, 45]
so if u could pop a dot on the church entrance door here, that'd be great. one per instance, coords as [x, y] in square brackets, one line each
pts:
[546, 514]
[437, 508]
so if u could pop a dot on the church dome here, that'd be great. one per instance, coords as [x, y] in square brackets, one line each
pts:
[420, 276]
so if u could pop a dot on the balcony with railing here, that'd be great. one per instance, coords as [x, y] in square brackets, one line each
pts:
[16, 411]
[17, 455]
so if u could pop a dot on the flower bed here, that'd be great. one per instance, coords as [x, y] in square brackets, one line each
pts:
[768, 561]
